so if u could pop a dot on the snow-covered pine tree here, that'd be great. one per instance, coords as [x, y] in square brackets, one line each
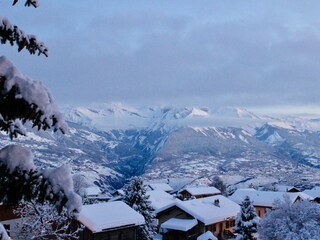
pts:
[23, 100]
[137, 198]
[287, 221]
[247, 221]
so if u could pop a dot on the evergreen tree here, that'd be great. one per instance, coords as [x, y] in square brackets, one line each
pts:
[136, 197]
[247, 221]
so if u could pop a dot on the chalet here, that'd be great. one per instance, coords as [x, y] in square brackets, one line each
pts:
[314, 193]
[94, 193]
[160, 186]
[198, 192]
[263, 200]
[285, 188]
[192, 218]
[107, 221]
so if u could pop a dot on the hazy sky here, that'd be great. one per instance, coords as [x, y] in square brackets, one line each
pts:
[211, 53]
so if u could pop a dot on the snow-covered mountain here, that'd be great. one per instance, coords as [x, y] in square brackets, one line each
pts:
[111, 142]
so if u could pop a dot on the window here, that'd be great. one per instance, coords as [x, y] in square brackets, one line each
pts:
[230, 223]
[211, 228]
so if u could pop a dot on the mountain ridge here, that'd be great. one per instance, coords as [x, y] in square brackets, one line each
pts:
[109, 144]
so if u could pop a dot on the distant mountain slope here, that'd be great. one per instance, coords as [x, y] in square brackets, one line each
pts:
[112, 142]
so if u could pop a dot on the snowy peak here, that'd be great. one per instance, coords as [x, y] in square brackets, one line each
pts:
[201, 112]
[123, 117]
[119, 116]
[233, 112]
[106, 116]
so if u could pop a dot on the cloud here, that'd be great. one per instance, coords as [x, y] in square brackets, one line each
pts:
[250, 54]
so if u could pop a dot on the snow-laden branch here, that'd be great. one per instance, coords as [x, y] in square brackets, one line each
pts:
[27, 100]
[20, 180]
[28, 3]
[14, 35]
[41, 221]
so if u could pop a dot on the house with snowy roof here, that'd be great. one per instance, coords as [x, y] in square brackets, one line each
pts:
[286, 188]
[198, 192]
[110, 220]
[314, 193]
[263, 200]
[190, 219]
[93, 193]
[160, 186]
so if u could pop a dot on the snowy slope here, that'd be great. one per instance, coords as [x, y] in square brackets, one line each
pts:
[189, 141]
[111, 142]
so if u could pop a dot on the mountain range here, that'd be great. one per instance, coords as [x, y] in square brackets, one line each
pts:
[109, 143]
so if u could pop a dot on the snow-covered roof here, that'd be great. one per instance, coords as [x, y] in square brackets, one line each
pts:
[93, 190]
[179, 224]
[201, 190]
[205, 210]
[313, 193]
[103, 216]
[264, 198]
[207, 236]
[161, 186]
[285, 188]
[160, 199]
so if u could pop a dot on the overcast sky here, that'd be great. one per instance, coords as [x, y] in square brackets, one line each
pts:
[254, 54]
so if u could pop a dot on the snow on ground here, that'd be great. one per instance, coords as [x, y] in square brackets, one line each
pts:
[33, 137]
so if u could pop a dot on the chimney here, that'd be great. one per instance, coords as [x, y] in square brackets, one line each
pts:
[217, 203]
